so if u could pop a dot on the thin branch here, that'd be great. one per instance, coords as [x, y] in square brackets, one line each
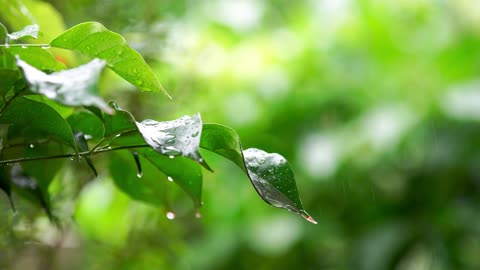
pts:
[111, 138]
[73, 155]
[44, 46]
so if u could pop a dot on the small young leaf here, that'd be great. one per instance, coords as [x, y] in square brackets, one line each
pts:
[120, 122]
[179, 137]
[94, 40]
[73, 87]
[270, 174]
[29, 30]
[82, 145]
[138, 163]
[223, 141]
[37, 120]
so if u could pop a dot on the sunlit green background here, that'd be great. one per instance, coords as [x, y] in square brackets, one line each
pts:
[376, 104]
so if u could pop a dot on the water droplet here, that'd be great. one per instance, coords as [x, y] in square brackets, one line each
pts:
[7, 45]
[170, 215]
[139, 82]
[139, 174]
[261, 160]
[195, 134]
[46, 47]
[171, 157]
[24, 46]
[31, 146]
[198, 215]
[170, 178]
[118, 135]
[109, 148]
[250, 158]
[71, 157]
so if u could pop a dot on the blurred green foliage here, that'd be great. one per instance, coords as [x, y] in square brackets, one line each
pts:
[374, 103]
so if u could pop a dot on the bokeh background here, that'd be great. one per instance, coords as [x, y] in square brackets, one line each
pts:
[376, 104]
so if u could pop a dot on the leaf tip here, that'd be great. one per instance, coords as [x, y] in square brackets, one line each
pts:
[307, 217]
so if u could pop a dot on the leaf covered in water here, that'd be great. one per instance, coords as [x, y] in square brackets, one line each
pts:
[180, 137]
[73, 87]
[27, 31]
[270, 174]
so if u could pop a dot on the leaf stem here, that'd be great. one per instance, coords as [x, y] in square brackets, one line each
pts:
[72, 155]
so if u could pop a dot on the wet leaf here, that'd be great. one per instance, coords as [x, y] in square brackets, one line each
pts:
[270, 174]
[94, 40]
[37, 119]
[182, 171]
[180, 137]
[29, 30]
[138, 163]
[88, 123]
[73, 87]
[82, 146]
[149, 188]
[273, 178]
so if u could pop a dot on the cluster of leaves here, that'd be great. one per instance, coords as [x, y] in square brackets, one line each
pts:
[38, 133]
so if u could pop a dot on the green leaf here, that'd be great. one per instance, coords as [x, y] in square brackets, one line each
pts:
[73, 87]
[29, 30]
[3, 33]
[270, 174]
[88, 123]
[6, 59]
[9, 77]
[36, 119]
[148, 187]
[35, 56]
[94, 40]
[6, 186]
[28, 187]
[223, 141]
[180, 137]
[44, 171]
[120, 122]
[186, 173]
